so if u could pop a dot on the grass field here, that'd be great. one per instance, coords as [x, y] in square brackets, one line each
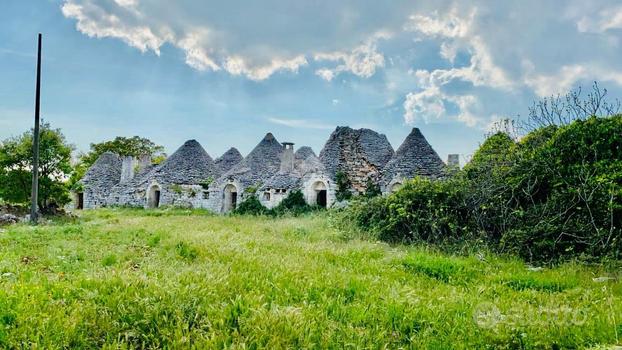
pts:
[181, 279]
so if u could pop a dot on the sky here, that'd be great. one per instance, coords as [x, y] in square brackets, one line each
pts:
[227, 72]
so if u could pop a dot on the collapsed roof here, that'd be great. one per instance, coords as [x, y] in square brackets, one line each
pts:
[347, 145]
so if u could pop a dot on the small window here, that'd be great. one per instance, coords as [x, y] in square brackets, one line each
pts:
[205, 195]
[266, 196]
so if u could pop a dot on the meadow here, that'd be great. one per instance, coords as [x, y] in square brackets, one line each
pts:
[122, 278]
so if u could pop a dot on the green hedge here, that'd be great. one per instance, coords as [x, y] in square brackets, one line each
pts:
[555, 194]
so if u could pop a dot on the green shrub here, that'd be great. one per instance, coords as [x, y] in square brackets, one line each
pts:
[422, 210]
[177, 189]
[251, 206]
[568, 191]
[555, 194]
[294, 203]
[372, 188]
[344, 185]
[206, 183]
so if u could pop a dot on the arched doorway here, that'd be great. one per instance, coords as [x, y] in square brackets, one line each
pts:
[320, 194]
[231, 197]
[396, 186]
[153, 199]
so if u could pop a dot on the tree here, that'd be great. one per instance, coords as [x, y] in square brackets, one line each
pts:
[54, 168]
[134, 146]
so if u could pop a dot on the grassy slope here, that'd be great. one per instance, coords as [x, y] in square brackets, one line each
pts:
[156, 279]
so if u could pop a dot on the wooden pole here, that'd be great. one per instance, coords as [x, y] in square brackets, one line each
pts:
[35, 143]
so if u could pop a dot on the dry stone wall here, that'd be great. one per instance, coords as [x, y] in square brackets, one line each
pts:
[360, 154]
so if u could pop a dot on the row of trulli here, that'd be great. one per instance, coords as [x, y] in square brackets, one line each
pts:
[272, 170]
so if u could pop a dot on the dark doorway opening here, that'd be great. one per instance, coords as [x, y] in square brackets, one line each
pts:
[234, 200]
[156, 199]
[153, 197]
[80, 201]
[321, 198]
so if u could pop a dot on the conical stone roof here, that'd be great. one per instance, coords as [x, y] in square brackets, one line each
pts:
[104, 173]
[189, 165]
[228, 160]
[260, 165]
[303, 153]
[415, 157]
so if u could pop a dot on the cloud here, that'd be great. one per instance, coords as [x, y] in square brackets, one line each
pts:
[459, 53]
[301, 123]
[362, 61]
[253, 41]
[237, 65]
[430, 104]
[566, 77]
[425, 105]
[604, 20]
[457, 32]
[95, 22]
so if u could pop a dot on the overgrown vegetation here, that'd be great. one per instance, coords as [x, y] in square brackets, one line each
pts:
[343, 192]
[171, 278]
[555, 193]
[293, 204]
[372, 188]
[54, 168]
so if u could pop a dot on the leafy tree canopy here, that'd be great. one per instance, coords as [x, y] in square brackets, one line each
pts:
[54, 167]
[124, 146]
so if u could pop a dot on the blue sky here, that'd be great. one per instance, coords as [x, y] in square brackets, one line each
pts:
[227, 72]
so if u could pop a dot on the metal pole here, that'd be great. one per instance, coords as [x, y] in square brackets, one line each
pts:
[35, 144]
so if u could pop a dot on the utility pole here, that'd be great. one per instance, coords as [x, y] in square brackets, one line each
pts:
[35, 144]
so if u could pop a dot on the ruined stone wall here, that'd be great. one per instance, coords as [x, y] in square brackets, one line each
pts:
[360, 154]
[357, 168]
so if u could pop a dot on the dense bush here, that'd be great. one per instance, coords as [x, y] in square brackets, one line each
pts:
[422, 210]
[293, 204]
[567, 186]
[251, 206]
[554, 194]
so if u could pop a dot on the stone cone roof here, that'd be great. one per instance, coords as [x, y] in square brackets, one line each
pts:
[374, 147]
[260, 165]
[415, 157]
[303, 153]
[104, 173]
[228, 160]
[189, 165]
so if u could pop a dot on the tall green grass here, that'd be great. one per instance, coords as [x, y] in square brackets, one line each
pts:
[123, 278]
